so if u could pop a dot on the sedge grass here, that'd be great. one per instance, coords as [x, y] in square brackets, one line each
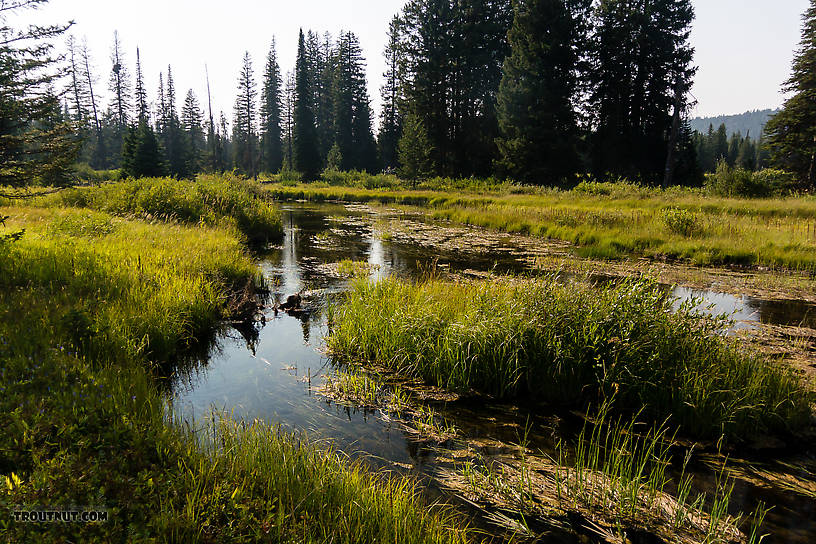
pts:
[615, 476]
[209, 200]
[88, 301]
[569, 344]
[179, 291]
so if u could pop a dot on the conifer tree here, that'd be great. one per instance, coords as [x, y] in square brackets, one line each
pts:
[352, 111]
[289, 121]
[642, 61]
[244, 122]
[37, 144]
[306, 155]
[539, 128]
[119, 107]
[99, 152]
[391, 94]
[414, 149]
[174, 141]
[791, 133]
[192, 121]
[142, 114]
[270, 127]
[142, 155]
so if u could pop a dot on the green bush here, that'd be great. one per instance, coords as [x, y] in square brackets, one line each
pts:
[680, 221]
[729, 181]
[85, 173]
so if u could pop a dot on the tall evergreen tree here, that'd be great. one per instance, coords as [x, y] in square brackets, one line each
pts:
[244, 122]
[452, 53]
[142, 114]
[174, 141]
[99, 153]
[120, 106]
[142, 155]
[192, 125]
[391, 95]
[352, 111]
[36, 143]
[289, 121]
[306, 154]
[270, 126]
[641, 63]
[791, 133]
[539, 128]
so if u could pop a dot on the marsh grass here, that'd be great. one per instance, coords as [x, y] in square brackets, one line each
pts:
[616, 477]
[225, 201]
[88, 303]
[610, 220]
[370, 390]
[135, 293]
[570, 344]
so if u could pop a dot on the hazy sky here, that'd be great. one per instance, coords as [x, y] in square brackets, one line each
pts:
[743, 47]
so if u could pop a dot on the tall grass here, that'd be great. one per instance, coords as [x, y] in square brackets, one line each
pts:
[87, 301]
[616, 476]
[610, 220]
[159, 296]
[209, 200]
[570, 344]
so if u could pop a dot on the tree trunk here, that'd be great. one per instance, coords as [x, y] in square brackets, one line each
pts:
[668, 178]
[812, 169]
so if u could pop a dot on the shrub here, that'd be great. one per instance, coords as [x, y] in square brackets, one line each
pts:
[729, 181]
[680, 221]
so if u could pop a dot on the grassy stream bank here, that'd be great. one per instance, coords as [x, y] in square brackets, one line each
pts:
[92, 304]
[604, 220]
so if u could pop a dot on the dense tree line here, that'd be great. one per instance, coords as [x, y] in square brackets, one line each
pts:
[534, 90]
[737, 150]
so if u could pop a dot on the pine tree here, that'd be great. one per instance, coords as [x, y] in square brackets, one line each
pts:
[174, 141]
[452, 54]
[37, 145]
[119, 108]
[641, 64]
[99, 153]
[192, 121]
[539, 128]
[306, 154]
[142, 155]
[142, 114]
[289, 122]
[244, 122]
[352, 111]
[414, 149]
[791, 133]
[391, 94]
[270, 127]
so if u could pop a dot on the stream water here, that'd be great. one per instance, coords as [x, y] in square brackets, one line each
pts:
[266, 372]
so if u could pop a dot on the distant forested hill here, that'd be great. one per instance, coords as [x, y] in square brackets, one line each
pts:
[752, 121]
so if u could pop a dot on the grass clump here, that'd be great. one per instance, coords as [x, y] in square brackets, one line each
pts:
[570, 344]
[209, 200]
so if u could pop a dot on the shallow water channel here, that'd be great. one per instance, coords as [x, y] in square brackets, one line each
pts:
[269, 372]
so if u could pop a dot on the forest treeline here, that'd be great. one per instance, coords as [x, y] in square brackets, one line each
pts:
[538, 91]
